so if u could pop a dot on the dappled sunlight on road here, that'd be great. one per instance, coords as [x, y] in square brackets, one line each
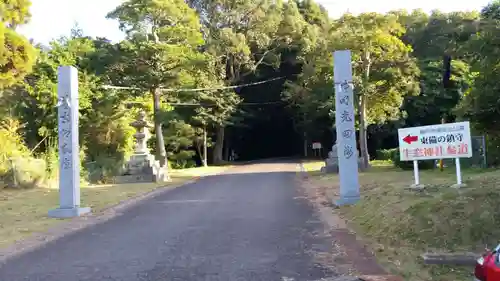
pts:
[271, 167]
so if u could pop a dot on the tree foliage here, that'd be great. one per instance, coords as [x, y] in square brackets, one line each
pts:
[182, 62]
[17, 55]
[164, 37]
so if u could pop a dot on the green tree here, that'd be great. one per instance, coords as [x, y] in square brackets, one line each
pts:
[481, 103]
[17, 55]
[213, 106]
[491, 11]
[422, 110]
[309, 94]
[434, 37]
[179, 139]
[384, 69]
[441, 34]
[163, 38]
[313, 13]
[105, 135]
[241, 35]
[33, 100]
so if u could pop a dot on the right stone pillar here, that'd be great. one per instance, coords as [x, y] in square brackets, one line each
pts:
[346, 135]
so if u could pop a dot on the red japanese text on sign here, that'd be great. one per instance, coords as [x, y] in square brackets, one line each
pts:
[463, 148]
[452, 150]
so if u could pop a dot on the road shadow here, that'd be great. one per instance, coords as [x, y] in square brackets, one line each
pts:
[243, 224]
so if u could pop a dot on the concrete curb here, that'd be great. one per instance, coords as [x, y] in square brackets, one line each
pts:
[74, 225]
[469, 259]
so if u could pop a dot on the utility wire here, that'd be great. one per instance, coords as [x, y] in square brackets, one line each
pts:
[195, 90]
[243, 103]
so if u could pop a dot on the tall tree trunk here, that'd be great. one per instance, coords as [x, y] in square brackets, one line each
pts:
[363, 140]
[199, 150]
[305, 144]
[219, 144]
[304, 118]
[205, 163]
[161, 153]
[227, 152]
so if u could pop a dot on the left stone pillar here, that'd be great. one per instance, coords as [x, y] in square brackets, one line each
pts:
[69, 160]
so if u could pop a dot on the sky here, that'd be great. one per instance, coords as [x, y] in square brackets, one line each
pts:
[54, 18]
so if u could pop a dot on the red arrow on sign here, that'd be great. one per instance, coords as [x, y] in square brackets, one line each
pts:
[409, 139]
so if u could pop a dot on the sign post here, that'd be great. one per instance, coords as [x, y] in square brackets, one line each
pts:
[459, 173]
[416, 176]
[69, 160]
[344, 123]
[316, 146]
[443, 141]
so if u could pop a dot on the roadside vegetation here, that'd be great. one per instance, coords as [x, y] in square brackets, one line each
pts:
[400, 224]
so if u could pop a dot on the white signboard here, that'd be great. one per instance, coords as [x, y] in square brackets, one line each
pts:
[316, 145]
[441, 141]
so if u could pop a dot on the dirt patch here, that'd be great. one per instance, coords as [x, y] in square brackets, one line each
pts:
[352, 256]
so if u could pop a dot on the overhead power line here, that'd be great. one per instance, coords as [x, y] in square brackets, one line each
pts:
[243, 103]
[198, 89]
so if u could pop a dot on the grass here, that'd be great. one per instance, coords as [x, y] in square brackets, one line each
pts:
[400, 224]
[313, 166]
[25, 211]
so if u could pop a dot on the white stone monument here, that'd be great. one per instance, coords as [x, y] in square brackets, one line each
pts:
[142, 166]
[346, 133]
[69, 160]
[332, 162]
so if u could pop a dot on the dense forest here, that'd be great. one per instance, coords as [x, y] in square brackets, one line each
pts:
[254, 77]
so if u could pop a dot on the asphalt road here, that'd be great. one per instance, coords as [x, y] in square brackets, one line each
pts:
[247, 224]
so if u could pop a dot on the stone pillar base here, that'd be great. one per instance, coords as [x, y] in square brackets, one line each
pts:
[143, 168]
[346, 201]
[63, 213]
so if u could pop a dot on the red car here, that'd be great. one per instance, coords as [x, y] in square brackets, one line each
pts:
[488, 266]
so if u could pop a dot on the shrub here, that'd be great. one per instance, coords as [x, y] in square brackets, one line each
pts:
[408, 165]
[103, 169]
[493, 150]
[25, 172]
[182, 159]
[11, 144]
[18, 168]
[107, 141]
[51, 158]
[386, 154]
